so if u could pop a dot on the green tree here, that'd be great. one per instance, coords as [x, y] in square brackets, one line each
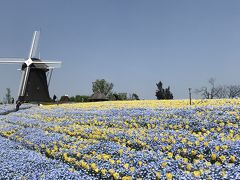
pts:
[102, 86]
[162, 93]
[72, 99]
[168, 94]
[122, 96]
[81, 98]
[135, 96]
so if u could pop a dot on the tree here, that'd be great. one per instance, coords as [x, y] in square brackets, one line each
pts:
[168, 94]
[8, 96]
[162, 93]
[122, 96]
[102, 86]
[233, 91]
[135, 96]
[209, 94]
[81, 98]
[220, 91]
[118, 96]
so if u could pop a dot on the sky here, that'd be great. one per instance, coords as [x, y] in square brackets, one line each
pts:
[132, 43]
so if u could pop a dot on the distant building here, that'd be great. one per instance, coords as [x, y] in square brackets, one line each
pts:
[65, 98]
[98, 97]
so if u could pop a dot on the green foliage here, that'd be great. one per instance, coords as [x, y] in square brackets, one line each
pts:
[122, 96]
[162, 93]
[79, 98]
[102, 86]
[72, 99]
[135, 96]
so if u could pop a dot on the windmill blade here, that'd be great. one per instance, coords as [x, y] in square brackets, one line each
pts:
[12, 60]
[23, 84]
[49, 64]
[34, 45]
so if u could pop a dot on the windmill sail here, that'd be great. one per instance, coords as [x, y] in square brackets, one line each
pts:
[34, 45]
[12, 60]
[48, 64]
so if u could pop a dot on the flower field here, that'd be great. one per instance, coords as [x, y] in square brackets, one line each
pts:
[123, 140]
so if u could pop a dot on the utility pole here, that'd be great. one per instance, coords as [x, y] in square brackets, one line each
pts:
[190, 97]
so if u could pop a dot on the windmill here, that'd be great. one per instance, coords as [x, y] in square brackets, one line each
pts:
[36, 74]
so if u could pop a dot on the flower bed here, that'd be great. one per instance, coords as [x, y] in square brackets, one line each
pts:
[132, 139]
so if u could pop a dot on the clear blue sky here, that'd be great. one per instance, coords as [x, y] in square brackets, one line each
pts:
[131, 43]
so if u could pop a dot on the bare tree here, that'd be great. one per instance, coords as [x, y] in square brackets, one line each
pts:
[221, 91]
[208, 94]
[233, 91]
[203, 92]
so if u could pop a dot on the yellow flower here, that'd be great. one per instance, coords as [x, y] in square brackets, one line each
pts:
[170, 154]
[223, 173]
[126, 166]
[197, 143]
[140, 163]
[111, 161]
[93, 165]
[194, 152]
[177, 157]
[98, 157]
[158, 175]
[232, 159]
[208, 163]
[96, 170]
[116, 175]
[78, 154]
[189, 167]
[217, 148]
[200, 156]
[196, 173]
[213, 157]
[195, 161]
[185, 160]
[118, 161]
[222, 158]
[120, 151]
[201, 138]
[48, 152]
[132, 169]
[126, 178]
[205, 143]
[224, 147]
[111, 171]
[169, 176]
[164, 164]
[103, 171]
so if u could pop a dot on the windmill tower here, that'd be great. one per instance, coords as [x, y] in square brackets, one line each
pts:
[36, 74]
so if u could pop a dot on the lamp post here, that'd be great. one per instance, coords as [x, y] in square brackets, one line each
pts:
[190, 97]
